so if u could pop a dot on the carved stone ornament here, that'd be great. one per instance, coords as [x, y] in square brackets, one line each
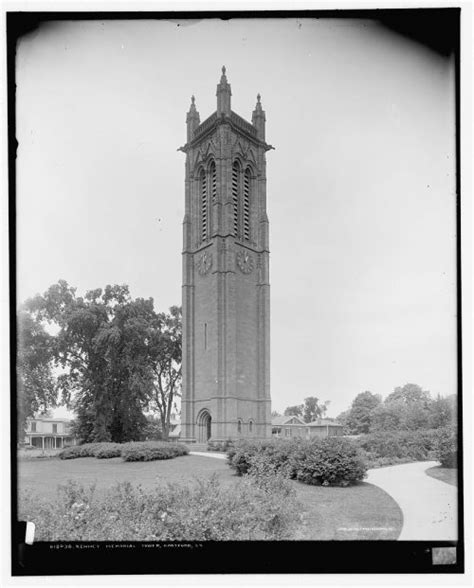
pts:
[204, 263]
[245, 262]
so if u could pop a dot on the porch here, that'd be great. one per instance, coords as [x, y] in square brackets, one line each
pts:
[49, 440]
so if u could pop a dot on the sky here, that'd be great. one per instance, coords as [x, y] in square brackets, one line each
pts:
[360, 187]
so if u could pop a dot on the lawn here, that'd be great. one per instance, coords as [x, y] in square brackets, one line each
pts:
[448, 475]
[359, 512]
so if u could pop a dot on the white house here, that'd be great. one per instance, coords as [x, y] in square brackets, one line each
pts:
[48, 433]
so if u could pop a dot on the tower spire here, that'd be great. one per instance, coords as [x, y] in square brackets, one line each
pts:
[258, 119]
[192, 119]
[223, 94]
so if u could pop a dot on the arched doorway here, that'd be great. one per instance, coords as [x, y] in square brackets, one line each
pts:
[204, 423]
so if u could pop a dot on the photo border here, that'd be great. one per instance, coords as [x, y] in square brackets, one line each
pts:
[308, 557]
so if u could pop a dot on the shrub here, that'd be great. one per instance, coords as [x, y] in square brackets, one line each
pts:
[240, 454]
[108, 451]
[447, 447]
[276, 452]
[75, 451]
[219, 445]
[201, 511]
[151, 450]
[270, 476]
[328, 461]
[331, 461]
[133, 451]
[398, 446]
[91, 450]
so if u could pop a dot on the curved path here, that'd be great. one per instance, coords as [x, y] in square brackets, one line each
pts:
[429, 506]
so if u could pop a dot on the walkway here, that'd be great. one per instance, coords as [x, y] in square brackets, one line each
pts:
[209, 454]
[429, 506]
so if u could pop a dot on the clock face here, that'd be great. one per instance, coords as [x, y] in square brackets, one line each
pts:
[244, 262]
[204, 263]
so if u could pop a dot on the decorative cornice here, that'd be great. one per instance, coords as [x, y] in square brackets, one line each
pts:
[234, 120]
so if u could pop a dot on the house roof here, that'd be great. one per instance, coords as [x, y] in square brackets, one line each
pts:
[285, 420]
[48, 420]
[324, 423]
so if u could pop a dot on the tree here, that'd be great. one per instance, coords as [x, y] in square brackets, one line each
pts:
[410, 406]
[275, 413]
[410, 394]
[342, 419]
[417, 416]
[296, 410]
[36, 385]
[101, 346]
[442, 411]
[359, 417]
[164, 347]
[124, 343]
[313, 410]
[389, 416]
[153, 431]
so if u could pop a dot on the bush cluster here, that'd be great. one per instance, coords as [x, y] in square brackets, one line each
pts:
[133, 451]
[219, 445]
[325, 461]
[332, 461]
[86, 450]
[204, 510]
[447, 447]
[392, 447]
[109, 450]
[151, 450]
[240, 455]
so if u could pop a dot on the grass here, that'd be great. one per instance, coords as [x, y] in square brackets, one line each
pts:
[37, 453]
[44, 476]
[360, 512]
[448, 475]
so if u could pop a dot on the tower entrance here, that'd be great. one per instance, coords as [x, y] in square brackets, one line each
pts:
[204, 424]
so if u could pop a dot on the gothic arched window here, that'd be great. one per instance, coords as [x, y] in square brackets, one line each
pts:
[250, 426]
[239, 426]
[236, 197]
[203, 204]
[246, 207]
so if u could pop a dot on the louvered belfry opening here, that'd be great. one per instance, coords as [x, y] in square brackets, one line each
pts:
[235, 197]
[213, 182]
[247, 204]
[204, 211]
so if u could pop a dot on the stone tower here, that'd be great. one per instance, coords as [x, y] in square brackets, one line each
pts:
[226, 291]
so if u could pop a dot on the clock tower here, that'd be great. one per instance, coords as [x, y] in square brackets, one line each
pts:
[226, 291]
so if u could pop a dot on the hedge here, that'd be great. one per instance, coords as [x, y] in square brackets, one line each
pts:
[85, 450]
[113, 450]
[325, 461]
[392, 447]
[152, 450]
[223, 446]
[132, 451]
